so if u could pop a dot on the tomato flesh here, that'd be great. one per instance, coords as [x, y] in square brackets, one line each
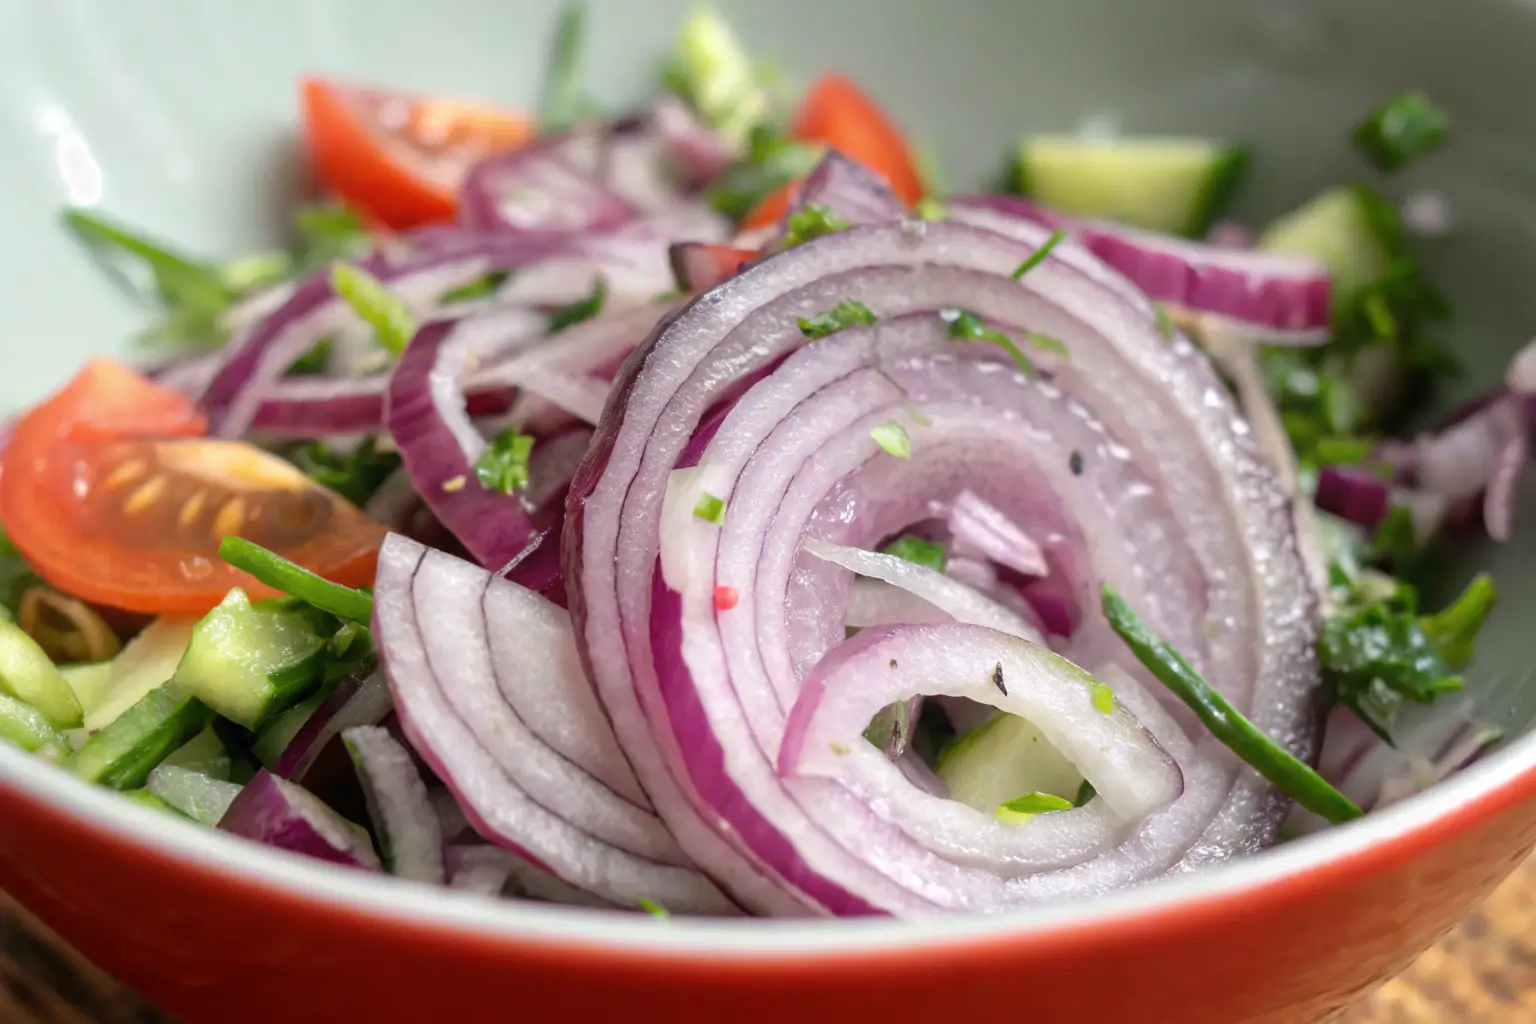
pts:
[123, 512]
[400, 158]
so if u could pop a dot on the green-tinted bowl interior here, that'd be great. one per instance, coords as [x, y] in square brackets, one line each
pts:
[179, 116]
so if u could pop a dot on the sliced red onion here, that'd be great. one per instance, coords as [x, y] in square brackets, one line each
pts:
[491, 871]
[1287, 299]
[278, 813]
[1442, 741]
[403, 817]
[1230, 234]
[1353, 494]
[200, 797]
[1173, 505]
[1484, 453]
[490, 691]
[549, 189]
[354, 702]
[703, 153]
[979, 529]
[450, 817]
[850, 191]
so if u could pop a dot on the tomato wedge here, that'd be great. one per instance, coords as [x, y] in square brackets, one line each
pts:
[112, 493]
[836, 113]
[398, 157]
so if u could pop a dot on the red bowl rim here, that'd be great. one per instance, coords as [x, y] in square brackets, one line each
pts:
[1291, 870]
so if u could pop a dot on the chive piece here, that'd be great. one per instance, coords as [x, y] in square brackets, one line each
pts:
[282, 575]
[813, 220]
[482, 287]
[1085, 792]
[560, 104]
[1401, 130]
[1038, 256]
[391, 321]
[1293, 776]
[919, 552]
[893, 437]
[839, 318]
[710, 509]
[581, 309]
[967, 326]
[654, 909]
[1454, 631]
[1102, 696]
[1035, 803]
[503, 466]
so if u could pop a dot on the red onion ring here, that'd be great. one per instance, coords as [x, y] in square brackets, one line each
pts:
[1173, 505]
[277, 813]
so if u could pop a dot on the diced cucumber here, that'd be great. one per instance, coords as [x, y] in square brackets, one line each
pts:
[194, 794]
[30, 676]
[1350, 229]
[89, 680]
[148, 799]
[24, 726]
[205, 754]
[712, 70]
[124, 753]
[149, 660]
[1173, 185]
[280, 731]
[250, 662]
[1002, 760]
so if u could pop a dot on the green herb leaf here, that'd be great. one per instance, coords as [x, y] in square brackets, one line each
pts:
[481, 288]
[561, 103]
[284, 576]
[1401, 131]
[313, 361]
[710, 509]
[1038, 256]
[581, 309]
[392, 323]
[813, 220]
[772, 161]
[503, 466]
[919, 552]
[967, 326]
[842, 316]
[1455, 630]
[893, 437]
[355, 475]
[1034, 803]
[328, 232]
[1292, 776]
[1085, 792]
[654, 909]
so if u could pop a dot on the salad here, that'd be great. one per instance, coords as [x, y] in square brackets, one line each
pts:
[696, 509]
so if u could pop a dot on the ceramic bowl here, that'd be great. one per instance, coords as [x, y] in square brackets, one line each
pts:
[179, 114]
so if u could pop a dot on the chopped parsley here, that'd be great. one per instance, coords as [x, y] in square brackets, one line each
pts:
[313, 361]
[503, 466]
[654, 909]
[1402, 130]
[581, 309]
[813, 220]
[772, 162]
[1031, 804]
[1378, 653]
[1038, 256]
[328, 232]
[839, 318]
[354, 475]
[893, 437]
[482, 287]
[709, 508]
[918, 551]
[1085, 792]
[392, 323]
[967, 326]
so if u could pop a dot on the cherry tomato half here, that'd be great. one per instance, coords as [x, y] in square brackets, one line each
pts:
[111, 494]
[397, 157]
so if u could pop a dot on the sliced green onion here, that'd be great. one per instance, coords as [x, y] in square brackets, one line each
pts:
[296, 581]
[375, 304]
[1292, 776]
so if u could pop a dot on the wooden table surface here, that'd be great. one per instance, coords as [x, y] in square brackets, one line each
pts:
[1484, 972]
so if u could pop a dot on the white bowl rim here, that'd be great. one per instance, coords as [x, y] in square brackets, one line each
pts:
[736, 939]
